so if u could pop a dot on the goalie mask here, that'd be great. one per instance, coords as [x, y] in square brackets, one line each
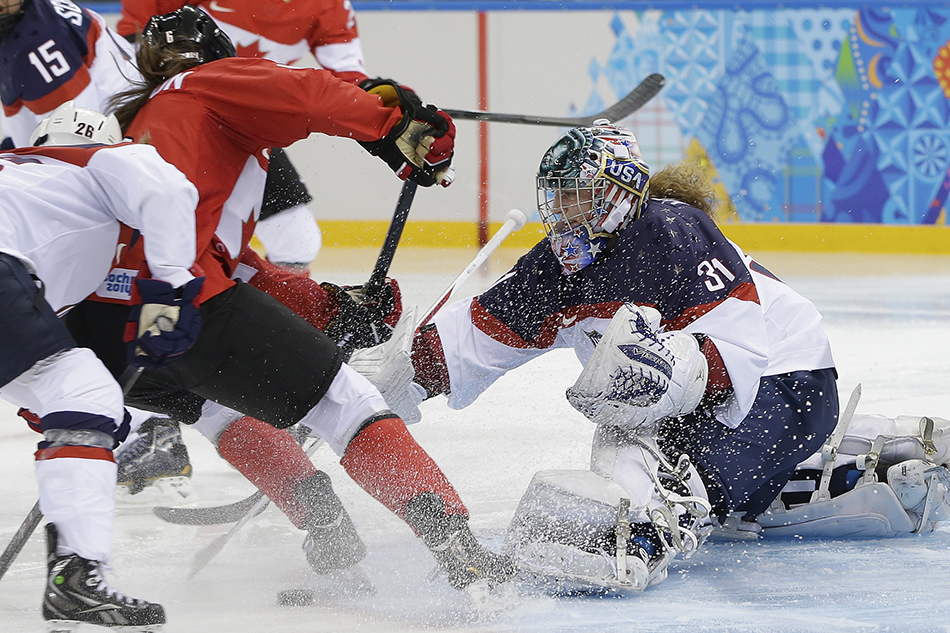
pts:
[188, 33]
[70, 124]
[591, 184]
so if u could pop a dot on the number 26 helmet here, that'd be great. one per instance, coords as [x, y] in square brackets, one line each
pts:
[591, 184]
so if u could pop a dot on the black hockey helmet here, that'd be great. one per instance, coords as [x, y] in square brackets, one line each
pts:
[11, 16]
[189, 33]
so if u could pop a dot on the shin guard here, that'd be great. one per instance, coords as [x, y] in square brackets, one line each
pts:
[271, 459]
[387, 462]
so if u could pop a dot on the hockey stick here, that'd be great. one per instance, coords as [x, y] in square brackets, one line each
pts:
[513, 221]
[204, 556]
[32, 520]
[212, 515]
[636, 99]
[386, 253]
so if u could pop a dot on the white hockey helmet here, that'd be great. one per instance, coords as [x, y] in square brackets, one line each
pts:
[70, 124]
[591, 184]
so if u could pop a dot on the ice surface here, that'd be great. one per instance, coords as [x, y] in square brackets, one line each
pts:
[889, 323]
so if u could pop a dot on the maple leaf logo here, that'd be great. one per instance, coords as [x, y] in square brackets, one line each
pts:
[253, 50]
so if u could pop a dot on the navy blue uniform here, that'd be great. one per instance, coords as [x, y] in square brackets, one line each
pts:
[675, 259]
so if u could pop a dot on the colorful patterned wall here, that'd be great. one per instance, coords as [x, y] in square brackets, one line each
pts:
[804, 115]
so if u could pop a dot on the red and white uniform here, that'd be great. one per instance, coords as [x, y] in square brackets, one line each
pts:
[60, 214]
[61, 209]
[278, 30]
[215, 124]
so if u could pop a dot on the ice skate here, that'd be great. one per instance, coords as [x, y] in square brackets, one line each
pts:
[464, 560]
[154, 468]
[332, 545]
[77, 593]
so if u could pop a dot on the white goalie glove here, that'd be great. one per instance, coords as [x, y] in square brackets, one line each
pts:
[637, 375]
[389, 368]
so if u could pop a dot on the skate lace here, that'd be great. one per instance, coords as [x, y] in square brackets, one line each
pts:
[140, 449]
[684, 538]
[97, 575]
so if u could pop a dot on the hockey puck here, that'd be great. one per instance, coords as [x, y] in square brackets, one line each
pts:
[295, 597]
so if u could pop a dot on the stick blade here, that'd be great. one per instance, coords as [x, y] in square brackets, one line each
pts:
[635, 99]
[213, 515]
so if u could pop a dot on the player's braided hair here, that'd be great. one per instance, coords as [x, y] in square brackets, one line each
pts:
[156, 65]
[687, 182]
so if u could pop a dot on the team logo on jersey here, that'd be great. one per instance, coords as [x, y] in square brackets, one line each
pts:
[118, 285]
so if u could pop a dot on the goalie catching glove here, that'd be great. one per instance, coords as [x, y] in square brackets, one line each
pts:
[637, 375]
[421, 145]
[362, 321]
[164, 321]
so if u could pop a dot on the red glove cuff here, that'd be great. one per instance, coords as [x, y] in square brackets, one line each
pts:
[428, 361]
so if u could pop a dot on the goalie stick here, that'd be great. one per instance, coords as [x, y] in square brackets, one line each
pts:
[32, 520]
[513, 221]
[231, 512]
[635, 99]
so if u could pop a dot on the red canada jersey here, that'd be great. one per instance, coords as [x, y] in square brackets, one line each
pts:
[279, 30]
[216, 123]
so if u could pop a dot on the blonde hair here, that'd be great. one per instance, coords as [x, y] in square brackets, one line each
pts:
[687, 182]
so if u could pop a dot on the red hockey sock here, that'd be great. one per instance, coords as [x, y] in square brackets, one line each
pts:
[271, 459]
[387, 463]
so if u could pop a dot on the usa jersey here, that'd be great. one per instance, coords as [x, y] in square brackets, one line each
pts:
[59, 52]
[216, 124]
[60, 209]
[278, 30]
[673, 258]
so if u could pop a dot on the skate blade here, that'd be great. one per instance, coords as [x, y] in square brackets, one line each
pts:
[173, 492]
[353, 581]
[490, 599]
[72, 626]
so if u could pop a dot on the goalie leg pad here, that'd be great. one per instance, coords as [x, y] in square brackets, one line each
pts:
[915, 498]
[579, 528]
[564, 528]
[868, 511]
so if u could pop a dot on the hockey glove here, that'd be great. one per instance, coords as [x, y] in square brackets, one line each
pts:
[362, 321]
[638, 376]
[164, 321]
[421, 145]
